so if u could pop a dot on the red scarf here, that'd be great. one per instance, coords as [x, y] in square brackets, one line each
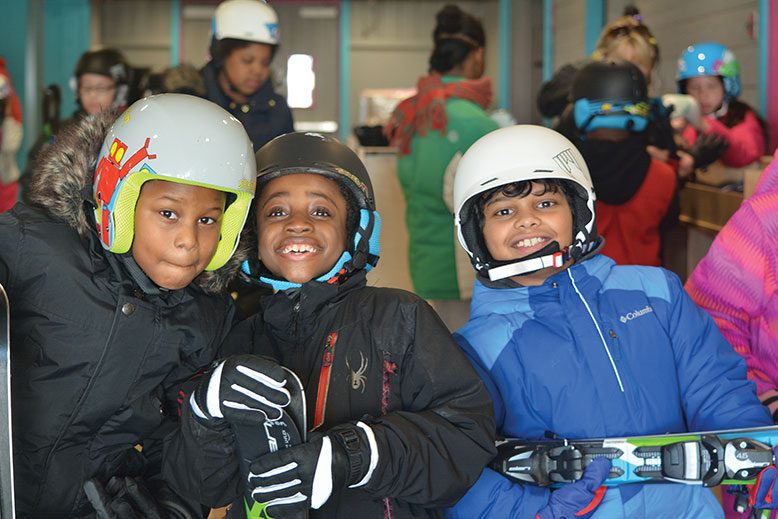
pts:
[428, 108]
[13, 99]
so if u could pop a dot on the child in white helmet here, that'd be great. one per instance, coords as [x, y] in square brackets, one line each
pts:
[114, 272]
[400, 424]
[244, 41]
[571, 344]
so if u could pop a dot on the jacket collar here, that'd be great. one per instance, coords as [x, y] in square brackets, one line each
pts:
[293, 314]
[509, 299]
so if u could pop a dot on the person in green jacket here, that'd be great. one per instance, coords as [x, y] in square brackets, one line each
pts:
[432, 130]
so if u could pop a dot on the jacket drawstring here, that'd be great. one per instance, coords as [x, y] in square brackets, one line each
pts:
[599, 331]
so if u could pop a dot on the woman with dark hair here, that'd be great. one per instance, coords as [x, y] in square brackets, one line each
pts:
[432, 130]
[244, 42]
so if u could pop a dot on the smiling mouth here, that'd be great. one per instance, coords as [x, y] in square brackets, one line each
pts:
[298, 250]
[529, 242]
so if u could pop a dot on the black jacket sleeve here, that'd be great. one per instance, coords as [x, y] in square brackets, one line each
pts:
[434, 449]
[201, 461]
[11, 239]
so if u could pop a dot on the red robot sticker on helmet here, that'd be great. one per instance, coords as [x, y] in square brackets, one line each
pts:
[109, 176]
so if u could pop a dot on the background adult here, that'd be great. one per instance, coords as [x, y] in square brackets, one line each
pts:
[432, 130]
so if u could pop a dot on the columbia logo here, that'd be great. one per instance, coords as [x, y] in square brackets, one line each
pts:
[635, 314]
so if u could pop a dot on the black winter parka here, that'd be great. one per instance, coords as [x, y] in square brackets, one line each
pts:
[96, 361]
[395, 367]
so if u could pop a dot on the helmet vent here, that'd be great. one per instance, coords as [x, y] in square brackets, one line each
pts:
[489, 181]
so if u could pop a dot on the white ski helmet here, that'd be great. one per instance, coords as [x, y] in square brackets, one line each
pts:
[248, 20]
[515, 154]
[177, 138]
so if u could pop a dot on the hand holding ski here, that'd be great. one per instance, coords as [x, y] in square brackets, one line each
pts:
[242, 389]
[254, 442]
[305, 476]
[581, 498]
[763, 495]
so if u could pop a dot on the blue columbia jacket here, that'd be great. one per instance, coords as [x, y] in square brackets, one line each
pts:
[603, 350]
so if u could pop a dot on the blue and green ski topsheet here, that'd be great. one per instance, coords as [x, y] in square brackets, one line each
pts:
[726, 457]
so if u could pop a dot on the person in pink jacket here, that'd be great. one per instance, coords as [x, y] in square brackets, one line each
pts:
[737, 283]
[709, 73]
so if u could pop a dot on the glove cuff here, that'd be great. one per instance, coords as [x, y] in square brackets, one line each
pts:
[351, 453]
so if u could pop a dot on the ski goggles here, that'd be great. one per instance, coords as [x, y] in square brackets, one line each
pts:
[617, 115]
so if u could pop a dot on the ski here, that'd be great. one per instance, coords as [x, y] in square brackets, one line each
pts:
[726, 457]
[253, 442]
[7, 505]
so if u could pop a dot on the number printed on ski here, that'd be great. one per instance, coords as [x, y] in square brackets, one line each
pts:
[727, 457]
[7, 505]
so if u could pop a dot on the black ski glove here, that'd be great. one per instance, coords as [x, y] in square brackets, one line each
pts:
[122, 498]
[707, 148]
[242, 389]
[292, 480]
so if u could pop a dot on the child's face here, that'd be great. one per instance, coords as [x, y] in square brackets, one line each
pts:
[248, 68]
[177, 229]
[515, 227]
[301, 219]
[96, 92]
[708, 91]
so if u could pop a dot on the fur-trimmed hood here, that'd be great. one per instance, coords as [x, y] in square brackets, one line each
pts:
[61, 184]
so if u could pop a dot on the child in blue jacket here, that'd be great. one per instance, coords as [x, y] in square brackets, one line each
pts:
[569, 343]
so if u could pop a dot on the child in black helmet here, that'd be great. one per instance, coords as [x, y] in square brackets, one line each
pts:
[101, 81]
[610, 119]
[401, 422]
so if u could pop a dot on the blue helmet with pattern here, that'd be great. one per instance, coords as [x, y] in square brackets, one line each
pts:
[709, 59]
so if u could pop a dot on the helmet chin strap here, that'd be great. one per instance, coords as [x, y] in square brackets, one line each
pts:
[283, 284]
[548, 256]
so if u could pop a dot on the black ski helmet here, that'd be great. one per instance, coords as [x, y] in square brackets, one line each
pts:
[610, 94]
[106, 62]
[307, 152]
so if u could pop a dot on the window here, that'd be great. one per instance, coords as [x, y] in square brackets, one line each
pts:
[300, 81]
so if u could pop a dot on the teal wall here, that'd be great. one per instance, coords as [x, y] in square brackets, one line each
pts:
[66, 36]
[41, 40]
[13, 45]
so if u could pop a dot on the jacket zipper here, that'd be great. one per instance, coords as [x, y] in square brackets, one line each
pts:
[599, 331]
[327, 359]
